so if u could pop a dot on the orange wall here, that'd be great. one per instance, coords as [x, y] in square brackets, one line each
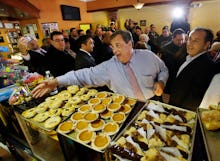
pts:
[50, 12]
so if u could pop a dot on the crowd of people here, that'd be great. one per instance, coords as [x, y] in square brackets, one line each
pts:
[190, 59]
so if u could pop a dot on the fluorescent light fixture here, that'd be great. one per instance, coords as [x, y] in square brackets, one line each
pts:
[178, 12]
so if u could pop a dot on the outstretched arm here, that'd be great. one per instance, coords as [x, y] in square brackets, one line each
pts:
[44, 87]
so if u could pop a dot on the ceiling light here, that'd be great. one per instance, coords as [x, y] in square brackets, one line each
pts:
[138, 5]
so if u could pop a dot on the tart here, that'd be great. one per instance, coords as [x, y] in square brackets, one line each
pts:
[55, 111]
[99, 108]
[111, 128]
[130, 101]
[85, 97]
[73, 89]
[65, 95]
[101, 94]
[114, 107]
[51, 98]
[97, 125]
[84, 89]
[67, 111]
[41, 116]
[90, 117]
[52, 122]
[56, 103]
[29, 113]
[125, 109]
[85, 108]
[86, 136]
[94, 101]
[74, 100]
[106, 101]
[118, 117]
[41, 109]
[82, 125]
[77, 116]
[80, 93]
[101, 141]
[65, 127]
[118, 98]
[106, 114]
[92, 92]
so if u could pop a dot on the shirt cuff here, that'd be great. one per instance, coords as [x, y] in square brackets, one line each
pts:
[26, 57]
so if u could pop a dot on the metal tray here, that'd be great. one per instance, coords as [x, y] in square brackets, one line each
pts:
[211, 140]
[73, 135]
[133, 120]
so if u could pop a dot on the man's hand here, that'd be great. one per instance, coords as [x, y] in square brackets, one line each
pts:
[158, 88]
[44, 87]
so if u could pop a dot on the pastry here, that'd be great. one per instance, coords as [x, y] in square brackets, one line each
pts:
[41, 117]
[101, 94]
[99, 108]
[90, 117]
[74, 100]
[81, 125]
[77, 116]
[52, 122]
[29, 113]
[92, 92]
[106, 114]
[130, 101]
[118, 98]
[86, 136]
[94, 101]
[114, 107]
[97, 125]
[101, 141]
[73, 89]
[85, 97]
[85, 108]
[125, 108]
[67, 111]
[56, 103]
[110, 128]
[106, 101]
[118, 117]
[211, 119]
[55, 111]
[65, 127]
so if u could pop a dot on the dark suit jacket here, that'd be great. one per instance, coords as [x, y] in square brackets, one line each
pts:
[83, 60]
[192, 82]
[59, 62]
[36, 63]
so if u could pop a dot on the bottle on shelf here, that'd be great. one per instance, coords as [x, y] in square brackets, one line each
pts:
[50, 76]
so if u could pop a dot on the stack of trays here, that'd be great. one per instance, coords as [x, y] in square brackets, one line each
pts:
[96, 123]
[158, 132]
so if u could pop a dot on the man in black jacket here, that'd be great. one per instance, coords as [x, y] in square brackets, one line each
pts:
[83, 57]
[33, 55]
[57, 60]
[195, 74]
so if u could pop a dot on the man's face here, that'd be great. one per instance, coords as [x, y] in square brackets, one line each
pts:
[58, 42]
[138, 32]
[89, 45]
[179, 39]
[74, 33]
[165, 33]
[196, 43]
[121, 50]
[33, 45]
[99, 32]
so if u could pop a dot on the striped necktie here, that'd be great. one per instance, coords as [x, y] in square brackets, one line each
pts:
[134, 84]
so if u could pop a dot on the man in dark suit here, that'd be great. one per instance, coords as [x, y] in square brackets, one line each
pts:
[33, 56]
[57, 60]
[83, 58]
[195, 74]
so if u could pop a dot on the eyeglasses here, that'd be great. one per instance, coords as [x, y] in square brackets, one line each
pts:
[58, 40]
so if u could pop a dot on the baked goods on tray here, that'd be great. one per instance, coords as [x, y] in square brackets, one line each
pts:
[211, 118]
[159, 132]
